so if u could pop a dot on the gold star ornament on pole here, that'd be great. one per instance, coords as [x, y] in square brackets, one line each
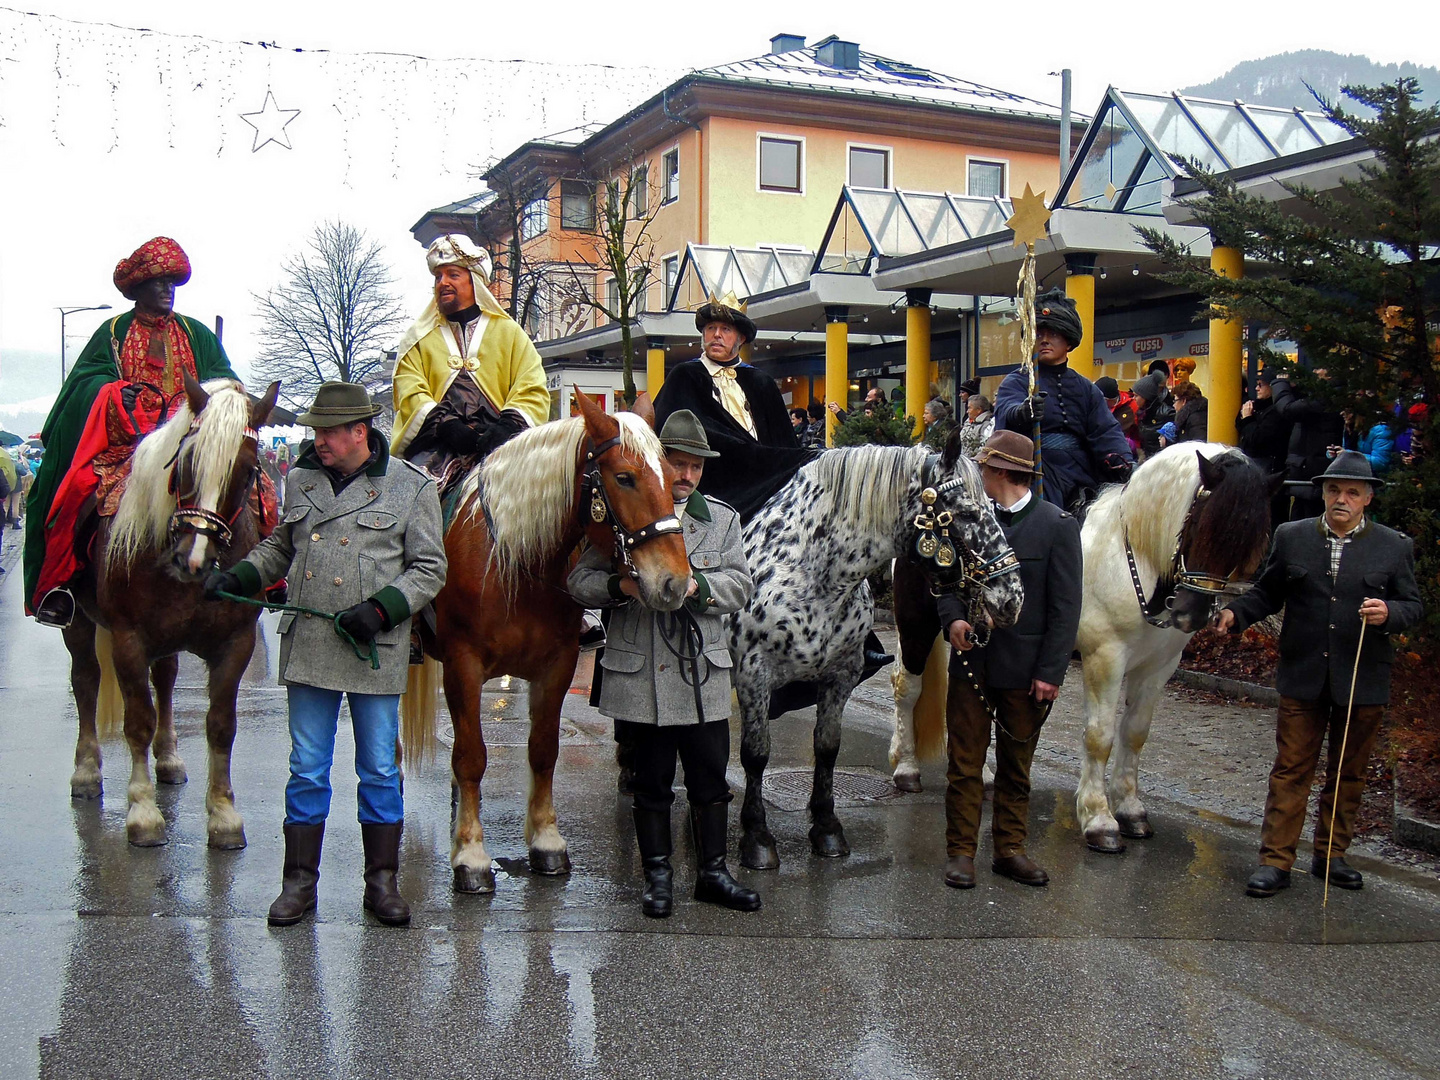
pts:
[1029, 218]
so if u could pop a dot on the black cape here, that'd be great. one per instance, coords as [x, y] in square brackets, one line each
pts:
[749, 470]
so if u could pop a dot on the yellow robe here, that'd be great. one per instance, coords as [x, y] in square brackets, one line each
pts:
[501, 359]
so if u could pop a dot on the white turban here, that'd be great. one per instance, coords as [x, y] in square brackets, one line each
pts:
[453, 250]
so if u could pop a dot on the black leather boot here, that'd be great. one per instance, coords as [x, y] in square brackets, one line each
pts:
[382, 859]
[652, 834]
[714, 885]
[301, 874]
[57, 608]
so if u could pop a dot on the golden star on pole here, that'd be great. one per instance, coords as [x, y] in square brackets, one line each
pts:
[1028, 220]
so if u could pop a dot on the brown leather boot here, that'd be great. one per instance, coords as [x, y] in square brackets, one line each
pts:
[382, 859]
[1020, 867]
[960, 872]
[301, 874]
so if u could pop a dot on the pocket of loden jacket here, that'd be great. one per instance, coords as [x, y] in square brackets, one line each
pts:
[295, 513]
[374, 519]
[618, 660]
[705, 560]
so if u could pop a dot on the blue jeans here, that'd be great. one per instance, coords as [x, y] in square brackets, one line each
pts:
[314, 714]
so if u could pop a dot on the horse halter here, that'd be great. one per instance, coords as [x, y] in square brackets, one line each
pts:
[1179, 574]
[196, 519]
[602, 513]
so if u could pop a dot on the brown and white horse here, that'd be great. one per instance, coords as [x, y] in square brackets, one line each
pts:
[185, 508]
[505, 610]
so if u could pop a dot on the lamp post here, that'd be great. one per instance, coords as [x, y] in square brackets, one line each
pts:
[71, 311]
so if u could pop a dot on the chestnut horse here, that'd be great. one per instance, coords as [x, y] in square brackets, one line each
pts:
[185, 509]
[505, 610]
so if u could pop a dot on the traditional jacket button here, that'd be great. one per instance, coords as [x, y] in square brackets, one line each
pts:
[308, 575]
[337, 581]
[344, 540]
[314, 538]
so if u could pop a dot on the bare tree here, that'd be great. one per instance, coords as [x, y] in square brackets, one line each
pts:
[332, 315]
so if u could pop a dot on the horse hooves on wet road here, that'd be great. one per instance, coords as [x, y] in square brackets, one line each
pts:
[549, 863]
[758, 853]
[1106, 843]
[227, 841]
[1137, 828]
[146, 838]
[85, 790]
[171, 772]
[828, 845]
[470, 880]
[908, 782]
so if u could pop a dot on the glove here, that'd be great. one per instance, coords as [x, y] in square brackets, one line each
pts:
[1034, 407]
[129, 395]
[363, 621]
[278, 593]
[221, 581]
[500, 431]
[1116, 467]
[460, 436]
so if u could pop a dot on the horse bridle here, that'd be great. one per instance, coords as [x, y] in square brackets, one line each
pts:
[198, 520]
[1179, 575]
[601, 512]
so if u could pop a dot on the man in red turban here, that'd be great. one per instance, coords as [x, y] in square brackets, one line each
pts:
[121, 386]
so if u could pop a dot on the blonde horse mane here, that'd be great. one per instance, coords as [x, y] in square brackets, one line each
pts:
[142, 522]
[858, 485]
[527, 488]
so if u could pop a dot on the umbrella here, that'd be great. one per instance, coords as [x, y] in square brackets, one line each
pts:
[9, 439]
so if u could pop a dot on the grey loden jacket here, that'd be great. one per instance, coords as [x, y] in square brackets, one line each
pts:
[643, 681]
[1321, 628]
[379, 539]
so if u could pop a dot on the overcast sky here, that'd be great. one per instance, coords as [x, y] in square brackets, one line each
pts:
[109, 137]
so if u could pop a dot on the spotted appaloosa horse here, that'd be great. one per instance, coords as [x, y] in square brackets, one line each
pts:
[810, 548]
[143, 590]
[504, 609]
[1197, 518]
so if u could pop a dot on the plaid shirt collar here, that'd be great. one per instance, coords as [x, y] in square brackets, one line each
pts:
[1337, 542]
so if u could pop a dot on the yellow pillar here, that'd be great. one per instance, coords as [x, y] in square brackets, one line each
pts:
[837, 366]
[747, 353]
[1226, 355]
[654, 369]
[917, 354]
[1080, 287]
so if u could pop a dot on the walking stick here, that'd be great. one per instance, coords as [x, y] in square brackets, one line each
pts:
[1340, 764]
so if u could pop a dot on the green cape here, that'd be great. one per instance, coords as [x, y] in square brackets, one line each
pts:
[63, 427]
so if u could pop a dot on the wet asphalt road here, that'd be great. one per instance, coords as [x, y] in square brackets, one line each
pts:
[123, 962]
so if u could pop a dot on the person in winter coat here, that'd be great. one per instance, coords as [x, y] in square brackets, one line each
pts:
[1192, 413]
[1317, 434]
[1265, 439]
[1377, 444]
[979, 424]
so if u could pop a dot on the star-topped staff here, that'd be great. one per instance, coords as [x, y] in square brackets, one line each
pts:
[1029, 223]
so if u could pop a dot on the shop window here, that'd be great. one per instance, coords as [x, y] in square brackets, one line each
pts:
[780, 164]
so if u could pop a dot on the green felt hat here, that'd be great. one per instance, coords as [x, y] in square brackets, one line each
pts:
[339, 403]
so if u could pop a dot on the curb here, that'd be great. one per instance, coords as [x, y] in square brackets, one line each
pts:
[1231, 688]
[1411, 830]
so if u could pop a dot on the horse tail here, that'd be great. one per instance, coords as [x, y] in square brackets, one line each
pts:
[109, 704]
[418, 707]
[930, 706]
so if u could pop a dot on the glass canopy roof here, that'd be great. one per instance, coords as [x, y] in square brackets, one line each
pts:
[869, 222]
[1128, 149]
[707, 270]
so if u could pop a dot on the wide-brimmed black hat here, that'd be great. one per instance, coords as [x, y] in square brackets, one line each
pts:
[1057, 311]
[339, 403]
[726, 309]
[683, 431]
[1350, 465]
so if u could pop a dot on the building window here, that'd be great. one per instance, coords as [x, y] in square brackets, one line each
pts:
[869, 168]
[577, 205]
[670, 174]
[672, 271]
[780, 165]
[985, 179]
[535, 218]
[639, 192]
[612, 295]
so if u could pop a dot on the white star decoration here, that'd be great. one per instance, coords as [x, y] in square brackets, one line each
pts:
[269, 123]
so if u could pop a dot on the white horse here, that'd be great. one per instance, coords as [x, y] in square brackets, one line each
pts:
[1159, 551]
[810, 548]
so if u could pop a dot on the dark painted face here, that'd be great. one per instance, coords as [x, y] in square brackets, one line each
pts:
[156, 296]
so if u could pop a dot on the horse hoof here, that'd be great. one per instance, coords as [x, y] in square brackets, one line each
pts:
[470, 880]
[1136, 828]
[227, 840]
[142, 837]
[758, 853]
[171, 772]
[829, 845]
[549, 863]
[1106, 843]
[85, 789]
[908, 782]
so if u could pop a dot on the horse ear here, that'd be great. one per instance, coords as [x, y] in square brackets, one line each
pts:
[260, 410]
[1211, 474]
[194, 393]
[600, 426]
[644, 408]
[951, 454]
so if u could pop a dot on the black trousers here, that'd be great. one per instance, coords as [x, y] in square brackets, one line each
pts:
[704, 750]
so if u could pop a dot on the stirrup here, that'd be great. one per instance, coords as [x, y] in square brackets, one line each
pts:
[57, 609]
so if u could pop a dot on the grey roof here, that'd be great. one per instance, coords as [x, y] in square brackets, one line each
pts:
[876, 76]
[473, 205]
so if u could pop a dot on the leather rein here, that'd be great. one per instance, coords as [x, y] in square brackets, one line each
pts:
[196, 519]
[602, 513]
[1180, 575]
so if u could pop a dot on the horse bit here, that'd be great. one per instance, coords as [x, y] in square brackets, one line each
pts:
[1180, 575]
[602, 513]
[197, 519]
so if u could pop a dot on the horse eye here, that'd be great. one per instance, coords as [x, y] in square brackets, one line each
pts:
[625, 479]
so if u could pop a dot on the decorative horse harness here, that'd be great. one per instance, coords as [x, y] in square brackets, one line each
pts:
[196, 519]
[1179, 575]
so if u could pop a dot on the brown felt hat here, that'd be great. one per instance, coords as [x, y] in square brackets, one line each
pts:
[1008, 450]
[339, 403]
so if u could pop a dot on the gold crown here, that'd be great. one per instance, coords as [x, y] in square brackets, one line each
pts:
[729, 300]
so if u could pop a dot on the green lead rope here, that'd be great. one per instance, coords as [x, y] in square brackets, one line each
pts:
[373, 655]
